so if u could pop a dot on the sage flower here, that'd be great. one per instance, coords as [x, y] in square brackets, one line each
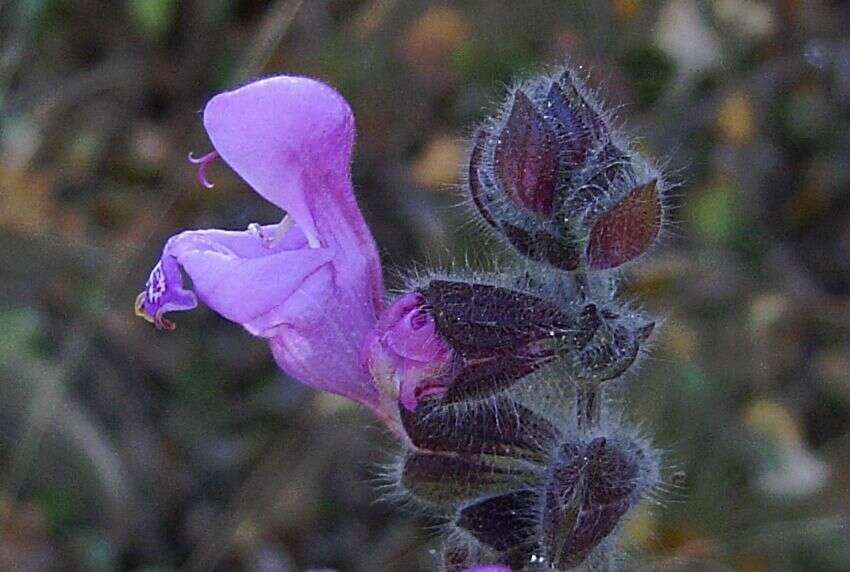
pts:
[310, 284]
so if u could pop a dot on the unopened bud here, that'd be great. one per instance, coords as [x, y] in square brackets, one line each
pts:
[497, 335]
[557, 182]
[526, 158]
[506, 523]
[476, 455]
[507, 429]
[522, 487]
[446, 478]
[627, 229]
[593, 484]
[605, 343]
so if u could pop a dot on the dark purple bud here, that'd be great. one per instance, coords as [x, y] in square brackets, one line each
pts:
[592, 486]
[448, 478]
[626, 230]
[590, 189]
[481, 378]
[554, 246]
[583, 106]
[526, 158]
[496, 335]
[508, 429]
[506, 523]
[480, 320]
[571, 124]
[521, 488]
[556, 180]
[578, 124]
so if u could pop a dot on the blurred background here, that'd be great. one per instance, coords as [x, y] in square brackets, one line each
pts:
[125, 448]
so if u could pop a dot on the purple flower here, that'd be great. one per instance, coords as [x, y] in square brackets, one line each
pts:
[408, 360]
[310, 284]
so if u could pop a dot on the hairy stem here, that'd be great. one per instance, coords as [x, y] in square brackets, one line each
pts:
[587, 405]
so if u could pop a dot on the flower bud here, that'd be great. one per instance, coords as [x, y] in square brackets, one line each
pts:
[526, 488]
[446, 478]
[500, 335]
[461, 341]
[526, 158]
[559, 184]
[506, 523]
[460, 457]
[605, 343]
[507, 429]
[482, 320]
[627, 229]
[592, 485]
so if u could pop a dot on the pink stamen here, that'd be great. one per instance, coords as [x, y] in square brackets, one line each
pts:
[202, 163]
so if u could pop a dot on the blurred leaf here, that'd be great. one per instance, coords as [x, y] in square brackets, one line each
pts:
[641, 526]
[773, 420]
[626, 9]
[769, 310]
[24, 538]
[789, 470]
[684, 34]
[680, 340]
[807, 114]
[650, 71]
[747, 17]
[153, 17]
[431, 39]
[31, 11]
[713, 213]
[19, 329]
[61, 504]
[94, 551]
[27, 205]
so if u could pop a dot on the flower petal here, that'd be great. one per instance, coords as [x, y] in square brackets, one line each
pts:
[163, 293]
[241, 278]
[317, 340]
[290, 138]
[272, 130]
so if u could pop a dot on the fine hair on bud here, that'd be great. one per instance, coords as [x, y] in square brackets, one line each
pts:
[504, 380]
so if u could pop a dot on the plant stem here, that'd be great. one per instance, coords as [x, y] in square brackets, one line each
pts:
[587, 405]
